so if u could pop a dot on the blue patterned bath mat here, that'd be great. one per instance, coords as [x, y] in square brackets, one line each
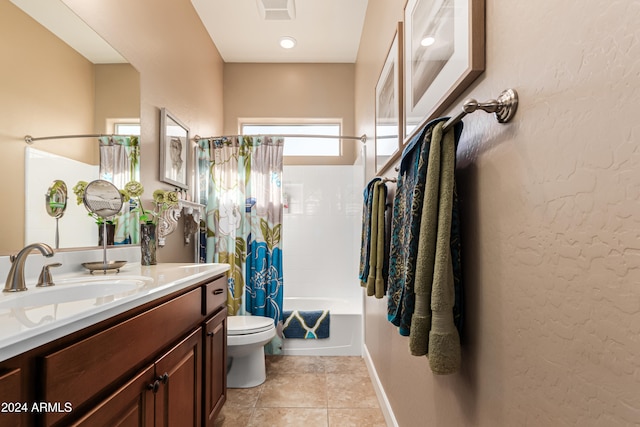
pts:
[306, 324]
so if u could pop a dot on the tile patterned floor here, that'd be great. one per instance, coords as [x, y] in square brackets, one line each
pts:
[309, 391]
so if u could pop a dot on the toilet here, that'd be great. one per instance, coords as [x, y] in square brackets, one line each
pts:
[246, 338]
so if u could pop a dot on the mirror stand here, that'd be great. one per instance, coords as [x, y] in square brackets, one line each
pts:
[104, 200]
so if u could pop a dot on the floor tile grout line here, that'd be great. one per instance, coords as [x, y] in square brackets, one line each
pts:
[338, 367]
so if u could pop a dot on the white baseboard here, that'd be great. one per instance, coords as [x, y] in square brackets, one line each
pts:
[389, 417]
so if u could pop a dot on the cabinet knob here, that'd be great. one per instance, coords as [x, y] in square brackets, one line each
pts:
[210, 334]
[154, 386]
[164, 378]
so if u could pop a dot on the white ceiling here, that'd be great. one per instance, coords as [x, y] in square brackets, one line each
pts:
[326, 30]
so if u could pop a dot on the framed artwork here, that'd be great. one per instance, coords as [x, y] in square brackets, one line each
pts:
[389, 128]
[444, 53]
[174, 150]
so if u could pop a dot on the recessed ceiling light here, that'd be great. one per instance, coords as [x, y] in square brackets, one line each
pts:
[287, 42]
[427, 41]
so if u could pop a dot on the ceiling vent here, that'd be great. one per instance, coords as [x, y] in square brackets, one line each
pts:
[277, 10]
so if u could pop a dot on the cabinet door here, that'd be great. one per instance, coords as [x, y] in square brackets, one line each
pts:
[130, 406]
[10, 395]
[179, 371]
[215, 366]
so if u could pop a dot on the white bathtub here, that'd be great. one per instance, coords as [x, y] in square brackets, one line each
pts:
[345, 332]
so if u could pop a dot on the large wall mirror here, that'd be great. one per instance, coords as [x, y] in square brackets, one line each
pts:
[53, 82]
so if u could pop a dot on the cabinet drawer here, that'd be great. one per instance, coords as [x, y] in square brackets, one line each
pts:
[215, 295]
[76, 373]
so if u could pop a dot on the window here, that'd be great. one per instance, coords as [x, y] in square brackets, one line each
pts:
[301, 146]
[127, 129]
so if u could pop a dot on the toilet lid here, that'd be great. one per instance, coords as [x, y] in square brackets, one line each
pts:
[244, 325]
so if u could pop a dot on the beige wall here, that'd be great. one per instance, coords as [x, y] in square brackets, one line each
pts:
[117, 94]
[47, 88]
[291, 91]
[187, 81]
[551, 229]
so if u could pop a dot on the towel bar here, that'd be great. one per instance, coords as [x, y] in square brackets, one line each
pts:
[504, 108]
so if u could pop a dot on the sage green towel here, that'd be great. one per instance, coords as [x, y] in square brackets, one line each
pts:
[373, 235]
[376, 281]
[432, 328]
[421, 318]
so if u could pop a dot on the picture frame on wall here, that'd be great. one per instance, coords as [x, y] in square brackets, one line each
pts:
[389, 129]
[174, 150]
[444, 53]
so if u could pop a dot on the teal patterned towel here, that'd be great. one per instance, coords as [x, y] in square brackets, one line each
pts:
[306, 324]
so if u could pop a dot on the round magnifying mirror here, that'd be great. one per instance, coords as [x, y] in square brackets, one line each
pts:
[56, 203]
[102, 198]
[56, 199]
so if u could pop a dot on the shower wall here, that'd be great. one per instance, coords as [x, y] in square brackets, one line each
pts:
[321, 231]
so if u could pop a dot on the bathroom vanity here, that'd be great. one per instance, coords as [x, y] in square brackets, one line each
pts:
[152, 353]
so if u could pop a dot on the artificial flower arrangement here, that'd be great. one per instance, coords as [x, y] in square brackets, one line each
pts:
[162, 199]
[79, 190]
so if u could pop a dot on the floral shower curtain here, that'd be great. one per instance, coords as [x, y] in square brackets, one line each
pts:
[244, 223]
[119, 164]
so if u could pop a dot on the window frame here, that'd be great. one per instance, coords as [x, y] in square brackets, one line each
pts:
[299, 122]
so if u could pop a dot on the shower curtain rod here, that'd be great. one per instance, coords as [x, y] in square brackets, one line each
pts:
[30, 140]
[362, 138]
[504, 108]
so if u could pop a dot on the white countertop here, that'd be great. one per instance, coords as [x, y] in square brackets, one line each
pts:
[73, 303]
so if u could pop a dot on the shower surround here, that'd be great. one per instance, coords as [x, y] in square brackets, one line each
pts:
[321, 243]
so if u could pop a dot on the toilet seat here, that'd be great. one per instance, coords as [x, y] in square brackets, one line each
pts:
[247, 325]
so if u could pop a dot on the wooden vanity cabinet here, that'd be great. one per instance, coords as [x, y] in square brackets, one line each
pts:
[167, 393]
[10, 382]
[162, 365]
[179, 393]
[215, 366]
[131, 405]
[215, 349]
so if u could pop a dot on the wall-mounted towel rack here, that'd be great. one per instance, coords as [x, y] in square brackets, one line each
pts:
[387, 179]
[504, 108]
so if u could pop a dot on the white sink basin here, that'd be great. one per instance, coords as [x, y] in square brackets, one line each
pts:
[74, 289]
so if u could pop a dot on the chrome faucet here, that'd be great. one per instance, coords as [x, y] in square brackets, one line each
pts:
[15, 279]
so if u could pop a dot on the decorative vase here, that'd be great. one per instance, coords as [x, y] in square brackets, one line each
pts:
[111, 232]
[148, 244]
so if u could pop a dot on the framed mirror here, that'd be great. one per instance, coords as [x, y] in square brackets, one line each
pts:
[174, 150]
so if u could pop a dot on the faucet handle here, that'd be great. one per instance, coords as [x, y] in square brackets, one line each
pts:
[45, 278]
